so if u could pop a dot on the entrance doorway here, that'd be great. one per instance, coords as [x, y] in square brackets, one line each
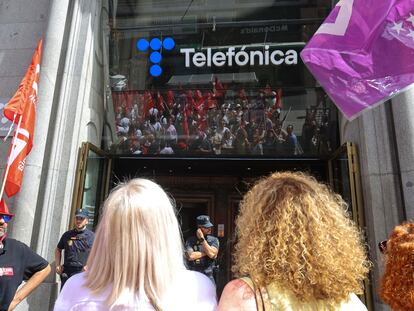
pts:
[211, 186]
[188, 208]
[207, 195]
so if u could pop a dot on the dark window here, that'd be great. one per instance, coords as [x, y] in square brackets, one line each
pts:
[233, 84]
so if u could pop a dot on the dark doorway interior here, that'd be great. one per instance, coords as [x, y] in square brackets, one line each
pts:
[153, 167]
[187, 213]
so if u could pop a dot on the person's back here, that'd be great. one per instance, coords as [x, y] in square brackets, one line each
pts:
[190, 291]
[275, 297]
[296, 249]
[136, 262]
[282, 299]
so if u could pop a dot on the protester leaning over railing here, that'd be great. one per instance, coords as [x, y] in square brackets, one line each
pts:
[136, 261]
[397, 283]
[296, 249]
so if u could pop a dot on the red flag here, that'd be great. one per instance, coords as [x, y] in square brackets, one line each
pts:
[279, 94]
[219, 89]
[199, 100]
[170, 99]
[190, 102]
[148, 102]
[21, 109]
[160, 102]
[211, 100]
[4, 210]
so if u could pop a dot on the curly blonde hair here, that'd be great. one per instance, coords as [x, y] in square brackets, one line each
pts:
[397, 283]
[294, 232]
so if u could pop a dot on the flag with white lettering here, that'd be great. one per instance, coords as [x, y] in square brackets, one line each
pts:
[363, 54]
[21, 110]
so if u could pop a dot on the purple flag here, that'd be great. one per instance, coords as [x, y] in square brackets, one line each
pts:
[363, 54]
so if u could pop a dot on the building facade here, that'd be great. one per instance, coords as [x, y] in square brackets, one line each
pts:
[109, 94]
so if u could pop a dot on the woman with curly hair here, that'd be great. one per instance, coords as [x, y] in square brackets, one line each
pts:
[297, 249]
[397, 283]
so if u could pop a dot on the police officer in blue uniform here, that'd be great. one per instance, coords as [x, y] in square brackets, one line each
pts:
[77, 244]
[202, 249]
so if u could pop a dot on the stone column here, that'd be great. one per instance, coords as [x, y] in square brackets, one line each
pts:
[373, 134]
[22, 23]
[69, 112]
[403, 117]
[28, 203]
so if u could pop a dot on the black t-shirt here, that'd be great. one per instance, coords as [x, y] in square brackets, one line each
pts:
[77, 245]
[17, 263]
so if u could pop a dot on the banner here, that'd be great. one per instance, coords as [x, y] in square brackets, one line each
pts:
[21, 110]
[363, 54]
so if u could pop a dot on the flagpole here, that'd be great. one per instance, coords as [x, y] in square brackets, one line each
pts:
[10, 156]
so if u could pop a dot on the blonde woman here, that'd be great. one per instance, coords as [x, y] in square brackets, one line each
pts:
[297, 249]
[136, 262]
[397, 283]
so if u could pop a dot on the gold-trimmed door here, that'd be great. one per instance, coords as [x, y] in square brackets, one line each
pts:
[93, 174]
[345, 179]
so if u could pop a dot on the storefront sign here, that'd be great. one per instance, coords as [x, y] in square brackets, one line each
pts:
[155, 57]
[238, 58]
[266, 29]
[212, 58]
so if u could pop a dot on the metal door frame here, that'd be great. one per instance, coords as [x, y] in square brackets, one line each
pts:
[80, 175]
[350, 150]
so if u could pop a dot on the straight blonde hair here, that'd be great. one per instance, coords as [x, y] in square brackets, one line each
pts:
[138, 248]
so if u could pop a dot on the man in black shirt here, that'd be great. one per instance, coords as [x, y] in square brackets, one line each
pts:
[77, 244]
[17, 263]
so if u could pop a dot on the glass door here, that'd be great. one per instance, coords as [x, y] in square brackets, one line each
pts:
[91, 182]
[344, 177]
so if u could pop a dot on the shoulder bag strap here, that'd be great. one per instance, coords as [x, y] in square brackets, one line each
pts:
[258, 297]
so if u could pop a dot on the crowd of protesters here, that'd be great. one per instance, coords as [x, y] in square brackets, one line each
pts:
[215, 122]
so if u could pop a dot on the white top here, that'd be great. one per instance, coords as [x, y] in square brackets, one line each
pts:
[284, 299]
[192, 291]
[167, 150]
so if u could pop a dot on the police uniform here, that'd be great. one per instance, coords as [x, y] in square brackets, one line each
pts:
[205, 264]
[17, 263]
[77, 245]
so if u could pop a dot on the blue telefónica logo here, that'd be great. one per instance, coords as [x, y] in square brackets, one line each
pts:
[155, 56]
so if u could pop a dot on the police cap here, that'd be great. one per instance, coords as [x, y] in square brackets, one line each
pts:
[81, 213]
[204, 221]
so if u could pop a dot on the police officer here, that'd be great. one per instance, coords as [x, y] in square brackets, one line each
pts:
[17, 263]
[77, 244]
[202, 249]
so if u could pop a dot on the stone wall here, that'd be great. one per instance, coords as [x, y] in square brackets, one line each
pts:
[71, 93]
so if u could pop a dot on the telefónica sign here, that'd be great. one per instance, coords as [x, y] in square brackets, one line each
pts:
[241, 57]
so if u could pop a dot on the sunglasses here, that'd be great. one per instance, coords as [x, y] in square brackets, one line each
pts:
[382, 246]
[6, 218]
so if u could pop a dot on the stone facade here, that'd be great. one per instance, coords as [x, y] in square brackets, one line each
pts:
[68, 112]
[73, 97]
